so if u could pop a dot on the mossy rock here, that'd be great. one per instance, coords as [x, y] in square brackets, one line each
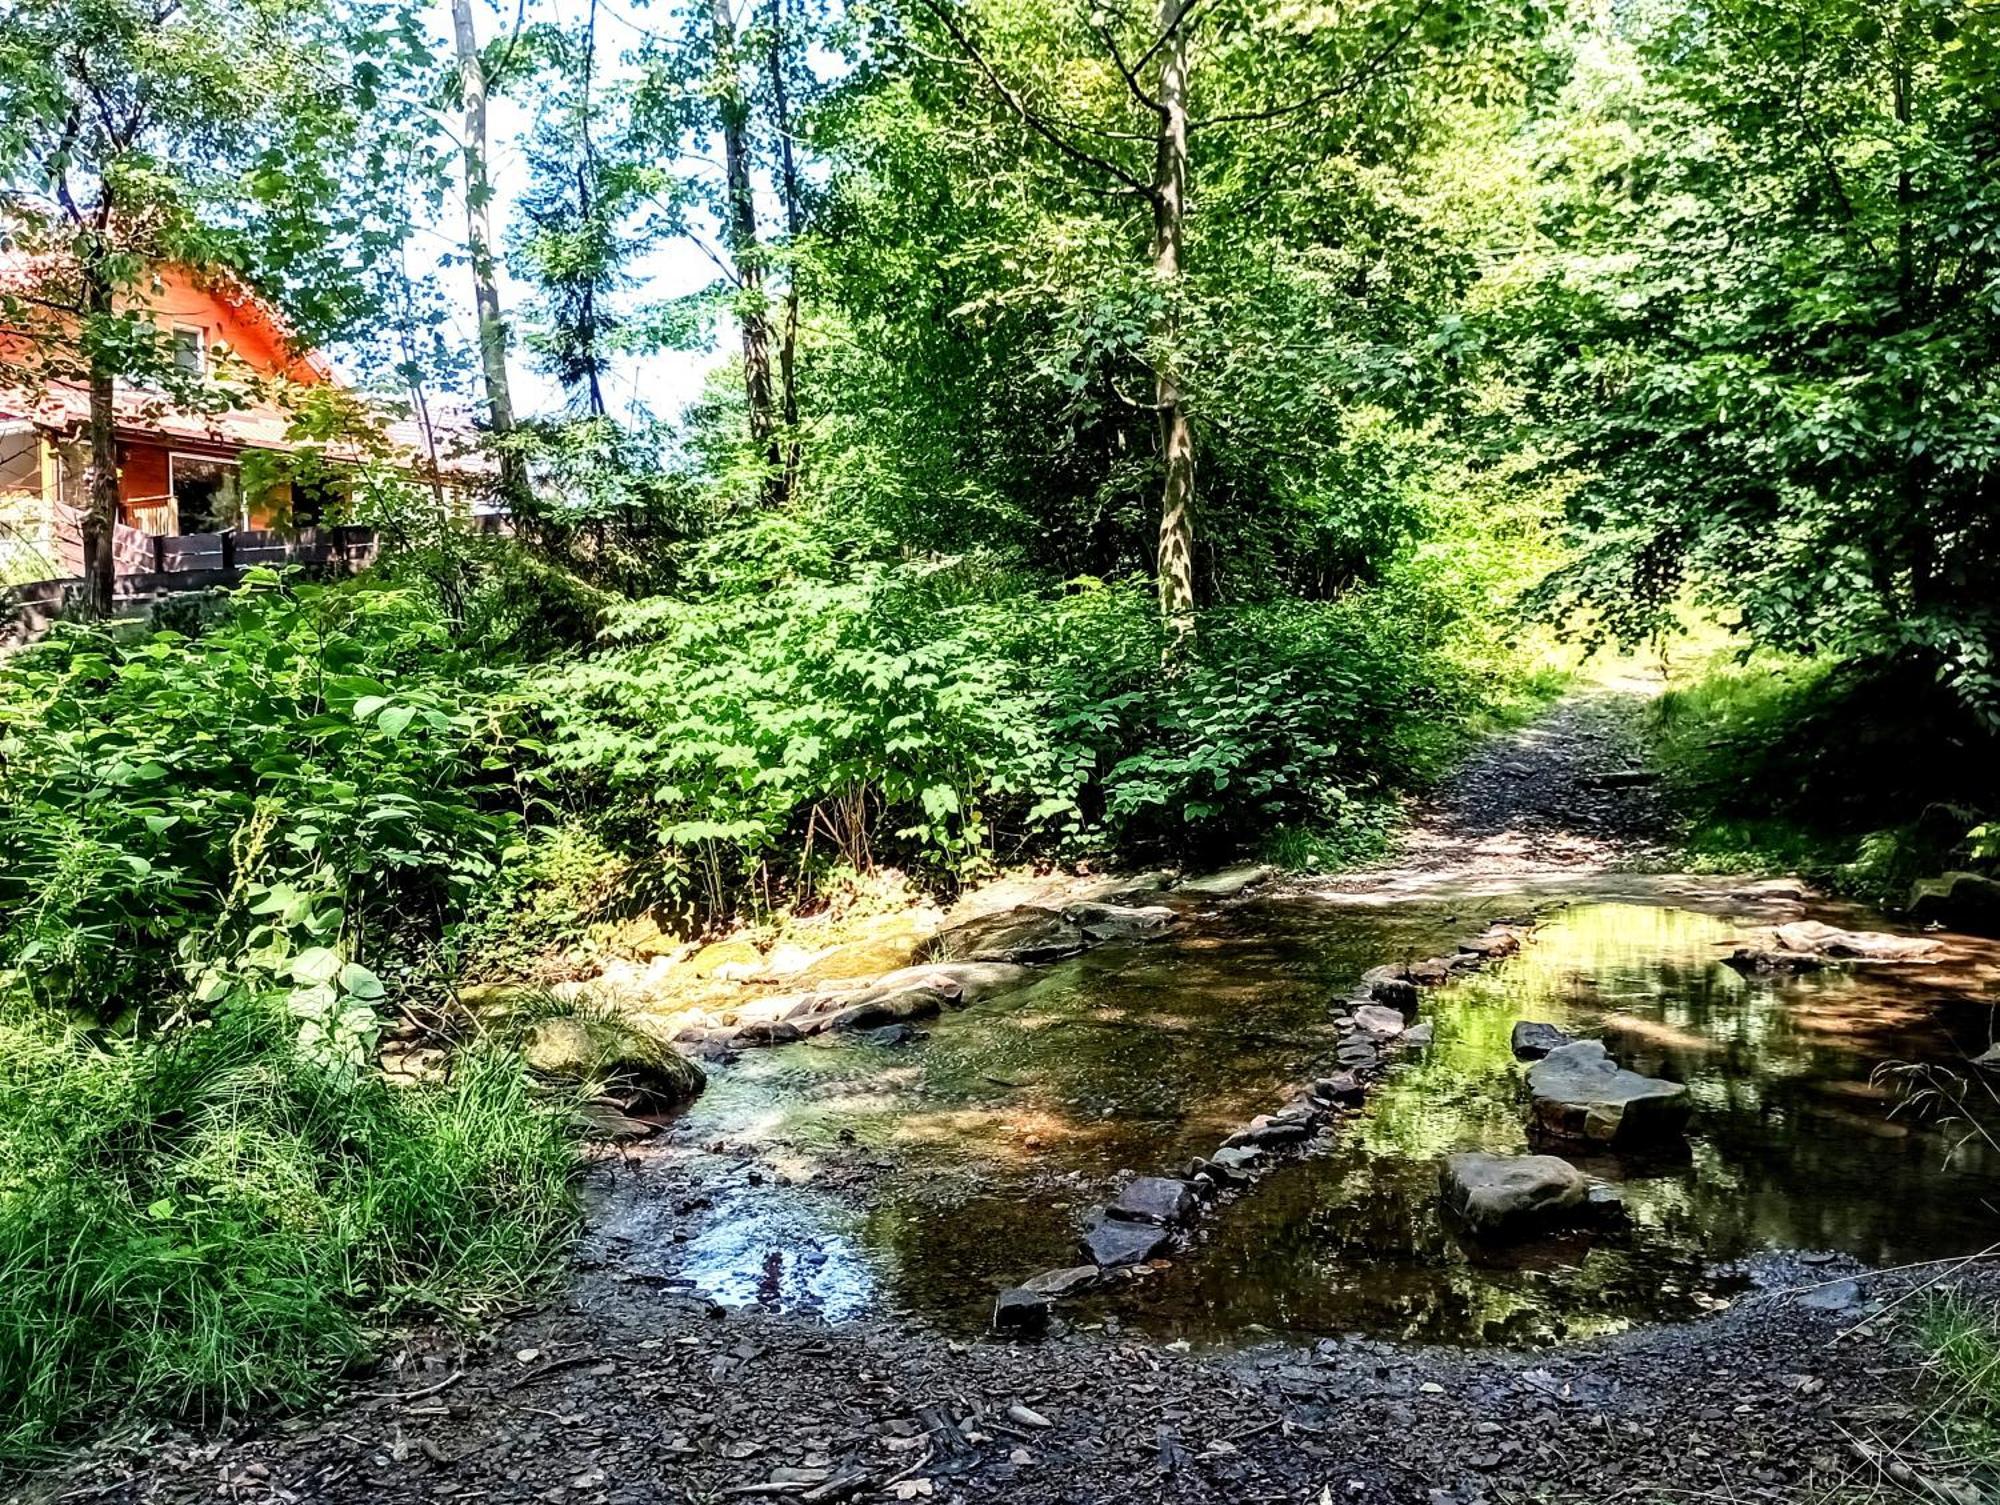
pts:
[641, 1072]
[726, 959]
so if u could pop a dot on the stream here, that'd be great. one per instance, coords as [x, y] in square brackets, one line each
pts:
[842, 1177]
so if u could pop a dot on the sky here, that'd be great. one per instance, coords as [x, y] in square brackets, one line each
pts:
[663, 382]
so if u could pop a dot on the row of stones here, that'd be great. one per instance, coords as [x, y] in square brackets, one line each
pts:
[1153, 1213]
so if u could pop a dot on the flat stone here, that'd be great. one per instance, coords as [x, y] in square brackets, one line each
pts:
[1154, 1199]
[1532, 1039]
[1377, 1020]
[1419, 1036]
[1769, 960]
[1111, 1242]
[1511, 1194]
[1118, 922]
[961, 983]
[1341, 1087]
[1579, 1092]
[1271, 1132]
[1356, 1054]
[1236, 1159]
[880, 1006]
[1839, 1296]
[1228, 883]
[768, 1032]
[890, 1035]
[1492, 943]
[1059, 1283]
[1025, 934]
[1811, 938]
[1022, 1312]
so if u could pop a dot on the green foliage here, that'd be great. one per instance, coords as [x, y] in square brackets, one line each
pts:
[242, 812]
[196, 1223]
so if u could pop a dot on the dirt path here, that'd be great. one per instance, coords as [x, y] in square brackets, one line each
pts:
[634, 1391]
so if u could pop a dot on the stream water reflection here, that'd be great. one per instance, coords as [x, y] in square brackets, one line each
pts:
[1016, 1114]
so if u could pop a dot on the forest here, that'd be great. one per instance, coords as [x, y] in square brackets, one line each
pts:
[823, 461]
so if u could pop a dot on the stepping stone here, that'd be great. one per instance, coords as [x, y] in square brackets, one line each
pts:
[1058, 1283]
[1397, 993]
[1374, 1019]
[1228, 883]
[1118, 922]
[1111, 1242]
[1580, 1093]
[1022, 1312]
[1511, 1194]
[1028, 933]
[1154, 1199]
[1532, 1040]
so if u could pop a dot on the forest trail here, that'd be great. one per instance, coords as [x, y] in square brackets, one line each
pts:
[636, 1390]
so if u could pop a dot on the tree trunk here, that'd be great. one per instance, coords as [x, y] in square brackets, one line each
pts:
[1175, 565]
[788, 187]
[740, 220]
[479, 245]
[99, 524]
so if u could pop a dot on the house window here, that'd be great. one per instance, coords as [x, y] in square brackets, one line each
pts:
[208, 494]
[190, 350]
[20, 462]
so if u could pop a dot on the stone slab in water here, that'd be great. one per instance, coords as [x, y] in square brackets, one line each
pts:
[1959, 901]
[1118, 922]
[1811, 938]
[1499, 1195]
[1022, 1312]
[882, 1006]
[1377, 1020]
[1579, 1092]
[1228, 883]
[1397, 993]
[1114, 1241]
[1154, 1199]
[1532, 1039]
[1062, 1282]
[1028, 933]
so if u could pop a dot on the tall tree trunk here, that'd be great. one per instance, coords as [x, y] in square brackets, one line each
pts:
[479, 246]
[788, 187]
[99, 524]
[1175, 566]
[740, 222]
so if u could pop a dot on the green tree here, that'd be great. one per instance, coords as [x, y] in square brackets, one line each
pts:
[222, 137]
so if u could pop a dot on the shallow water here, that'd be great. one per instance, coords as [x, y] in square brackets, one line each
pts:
[1015, 1116]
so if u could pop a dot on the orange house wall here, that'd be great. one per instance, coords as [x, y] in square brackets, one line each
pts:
[142, 474]
[249, 336]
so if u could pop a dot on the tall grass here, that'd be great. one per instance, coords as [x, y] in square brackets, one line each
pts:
[204, 1221]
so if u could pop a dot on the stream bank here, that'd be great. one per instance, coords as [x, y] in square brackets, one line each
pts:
[785, 1297]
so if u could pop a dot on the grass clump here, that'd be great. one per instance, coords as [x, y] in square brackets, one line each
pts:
[210, 1219]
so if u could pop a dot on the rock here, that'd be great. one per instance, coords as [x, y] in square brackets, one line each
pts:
[1579, 1092]
[1767, 960]
[1811, 938]
[642, 936]
[643, 1072]
[1228, 883]
[893, 1035]
[1125, 888]
[1270, 1132]
[1154, 1199]
[1236, 1161]
[1111, 1242]
[880, 1006]
[1029, 933]
[1117, 922]
[786, 959]
[767, 1032]
[1022, 1312]
[1419, 1036]
[1375, 1020]
[1495, 942]
[1532, 1039]
[1356, 1055]
[1059, 1283]
[1605, 1203]
[870, 957]
[971, 980]
[1397, 993]
[1958, 901]
[1341, 1087]
[726, 961]
[1511, 1194]
[1836, 1296]
[1432, 970]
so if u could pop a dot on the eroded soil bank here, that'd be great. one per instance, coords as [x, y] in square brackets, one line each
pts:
[784, 1295]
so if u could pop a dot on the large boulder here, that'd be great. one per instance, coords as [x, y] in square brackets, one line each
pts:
[1580, 1093]
[1508, 1195]
[892, 1005]
[1958, 901]
[875, 946]
[970, 980]
[1028, 933]
[726, 961]
[636, 1070]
